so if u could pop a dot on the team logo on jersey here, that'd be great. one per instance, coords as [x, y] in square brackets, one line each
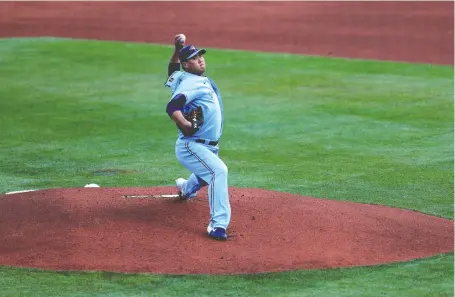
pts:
[171, 79]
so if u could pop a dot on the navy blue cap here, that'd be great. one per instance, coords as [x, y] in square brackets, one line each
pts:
[190, 51]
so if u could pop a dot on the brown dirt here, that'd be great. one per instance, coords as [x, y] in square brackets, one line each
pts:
[406, 31]
[98, 229]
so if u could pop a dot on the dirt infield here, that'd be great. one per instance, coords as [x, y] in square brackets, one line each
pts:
[97, 229]
[403, 31]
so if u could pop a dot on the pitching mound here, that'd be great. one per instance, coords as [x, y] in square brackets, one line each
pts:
[99, 229]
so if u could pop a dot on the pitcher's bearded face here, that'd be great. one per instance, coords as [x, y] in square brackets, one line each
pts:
[195, 65]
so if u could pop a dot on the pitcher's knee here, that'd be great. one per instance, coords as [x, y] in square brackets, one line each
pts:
[222, 170]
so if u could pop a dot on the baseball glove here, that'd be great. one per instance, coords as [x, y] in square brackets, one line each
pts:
[196, 118]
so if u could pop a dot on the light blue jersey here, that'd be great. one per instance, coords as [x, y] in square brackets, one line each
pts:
[199, 91]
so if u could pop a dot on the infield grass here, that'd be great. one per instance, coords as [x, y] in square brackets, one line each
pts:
[74, 112]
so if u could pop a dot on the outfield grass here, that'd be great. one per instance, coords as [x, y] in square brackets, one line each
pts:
[364, 131]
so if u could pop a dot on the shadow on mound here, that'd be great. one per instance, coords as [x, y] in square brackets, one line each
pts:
[99, 229]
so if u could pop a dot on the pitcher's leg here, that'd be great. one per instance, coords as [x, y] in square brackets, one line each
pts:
[206, 165]
[188, 188]
[220, 209]
[192, 185]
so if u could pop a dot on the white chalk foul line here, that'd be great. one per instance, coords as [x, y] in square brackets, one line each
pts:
[151, 196]
[22, 191]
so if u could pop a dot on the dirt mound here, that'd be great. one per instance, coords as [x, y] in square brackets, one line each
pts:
[99, 229]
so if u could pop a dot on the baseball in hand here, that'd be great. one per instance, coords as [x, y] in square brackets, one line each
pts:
[180, 39]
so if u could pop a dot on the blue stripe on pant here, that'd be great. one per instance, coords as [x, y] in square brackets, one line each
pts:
[203, 161]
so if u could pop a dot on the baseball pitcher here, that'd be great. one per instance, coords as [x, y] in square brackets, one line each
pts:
[197, 110]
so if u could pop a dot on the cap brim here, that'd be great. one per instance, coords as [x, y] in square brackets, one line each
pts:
[199, 52]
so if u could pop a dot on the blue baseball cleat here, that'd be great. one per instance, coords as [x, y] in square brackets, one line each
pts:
[218, 234]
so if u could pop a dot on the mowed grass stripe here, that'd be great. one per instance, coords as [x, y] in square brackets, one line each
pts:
[369, 136]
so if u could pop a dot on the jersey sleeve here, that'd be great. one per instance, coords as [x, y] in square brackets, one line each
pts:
[173, 81]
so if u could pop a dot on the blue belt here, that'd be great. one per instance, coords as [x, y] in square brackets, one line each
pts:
[212, 143]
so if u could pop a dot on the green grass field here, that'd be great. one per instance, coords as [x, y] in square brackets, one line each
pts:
[354, 130]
